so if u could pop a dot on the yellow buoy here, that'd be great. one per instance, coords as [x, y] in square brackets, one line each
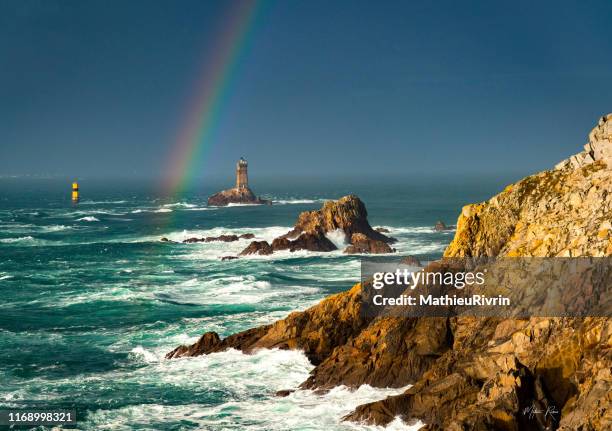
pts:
[75, 192]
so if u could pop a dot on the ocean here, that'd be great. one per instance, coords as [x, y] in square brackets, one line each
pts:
[92, 300]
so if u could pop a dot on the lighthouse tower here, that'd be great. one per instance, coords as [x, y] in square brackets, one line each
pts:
[242, 179]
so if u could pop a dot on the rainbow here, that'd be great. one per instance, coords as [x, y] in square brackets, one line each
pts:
[196, 134]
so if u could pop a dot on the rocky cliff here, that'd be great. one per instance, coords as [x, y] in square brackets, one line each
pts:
[474, 373]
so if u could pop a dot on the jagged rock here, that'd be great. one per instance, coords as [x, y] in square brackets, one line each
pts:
[348, 214]
[312, 242]
[221, 238]
[193, 240]
[509, 368]
[440, 226]
[284, 392]
[316, 331]
[390, 352]
[206, 343]
[257, 247]
[165, 239]
[281, 243]
[236, 196]
[306, 241]
[229, 258]
[503, 389]
[541, 216]
[362, 244]
[382, 230]
[599, 147]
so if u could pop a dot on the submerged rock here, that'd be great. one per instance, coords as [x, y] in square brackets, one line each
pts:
[229, 258]
[220, 238]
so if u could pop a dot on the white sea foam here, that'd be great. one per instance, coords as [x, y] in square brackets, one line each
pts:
[180, 205]
[238, 375]
[152, 210]
[17, 227]
[202, 208]
[230, 290]
[88, 219]
[217, 249]
[53, 228]
[294, 201]
[338, 237]
[418, 246]
[144, 354]
[211, 290]
[29, 228]
[19, 239]
[242, 205]
[5, 277]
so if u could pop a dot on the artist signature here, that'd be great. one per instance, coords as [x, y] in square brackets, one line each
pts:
[532, 410]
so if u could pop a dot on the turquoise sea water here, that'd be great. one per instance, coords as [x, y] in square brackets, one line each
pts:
[91, 300]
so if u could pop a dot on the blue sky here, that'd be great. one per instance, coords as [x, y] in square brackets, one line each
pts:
[100, 88]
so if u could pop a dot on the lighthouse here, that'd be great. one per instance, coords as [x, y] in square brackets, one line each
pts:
[242, 178]
[75, 192]
[241, 193]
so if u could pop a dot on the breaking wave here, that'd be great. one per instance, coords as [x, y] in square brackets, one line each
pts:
[232, 204]
[338, 237]
[88, 219]
[20, 239]
[295, 201]
[180, 205]
[235, 372]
